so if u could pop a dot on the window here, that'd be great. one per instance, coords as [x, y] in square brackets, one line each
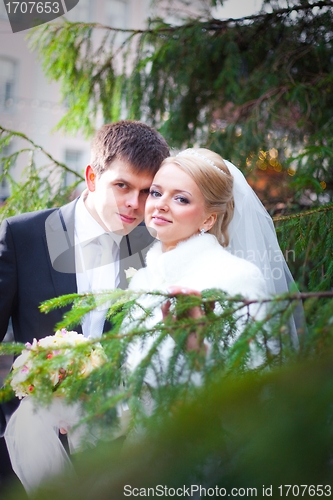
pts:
[7, 83]
[74, 161]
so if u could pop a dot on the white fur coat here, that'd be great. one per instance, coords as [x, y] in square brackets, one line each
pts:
[198, 263]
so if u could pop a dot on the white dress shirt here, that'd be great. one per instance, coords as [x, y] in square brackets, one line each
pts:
[95, 269]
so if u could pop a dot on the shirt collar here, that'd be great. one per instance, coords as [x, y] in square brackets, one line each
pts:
[86, 227]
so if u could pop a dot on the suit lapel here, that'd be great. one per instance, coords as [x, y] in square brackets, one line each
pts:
[133, 249]
[123, 254]
[62, 228]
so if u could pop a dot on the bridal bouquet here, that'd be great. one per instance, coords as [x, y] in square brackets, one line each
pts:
[52, 359]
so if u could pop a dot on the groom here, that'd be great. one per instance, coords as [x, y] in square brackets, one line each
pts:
[60, 251]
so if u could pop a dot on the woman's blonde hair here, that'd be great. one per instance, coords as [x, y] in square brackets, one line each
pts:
[215, 182]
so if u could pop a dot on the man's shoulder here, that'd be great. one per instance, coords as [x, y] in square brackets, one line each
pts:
[30, 216]
[35, 217]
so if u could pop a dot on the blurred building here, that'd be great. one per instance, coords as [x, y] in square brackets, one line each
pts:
[30, 104]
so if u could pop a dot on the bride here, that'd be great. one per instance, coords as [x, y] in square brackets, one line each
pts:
[212, 232]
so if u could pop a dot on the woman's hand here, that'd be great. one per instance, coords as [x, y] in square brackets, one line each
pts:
[193, 342]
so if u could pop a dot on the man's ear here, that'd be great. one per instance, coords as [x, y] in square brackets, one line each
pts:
[90, 178]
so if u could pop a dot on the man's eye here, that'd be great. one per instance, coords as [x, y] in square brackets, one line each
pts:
[121, 185]
[154, 193]
[145, 191]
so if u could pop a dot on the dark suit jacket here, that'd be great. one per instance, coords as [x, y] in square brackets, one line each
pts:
[28, 274]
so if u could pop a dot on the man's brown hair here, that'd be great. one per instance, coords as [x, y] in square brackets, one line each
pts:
[133, 142]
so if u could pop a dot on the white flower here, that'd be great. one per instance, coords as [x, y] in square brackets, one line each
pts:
[21, 360]
[96, 359]
[62, 338]
[20, 376]
[20, 392]
[129, 273]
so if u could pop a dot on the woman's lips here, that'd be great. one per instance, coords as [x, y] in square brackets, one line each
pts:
[126, 219]
[160, 221]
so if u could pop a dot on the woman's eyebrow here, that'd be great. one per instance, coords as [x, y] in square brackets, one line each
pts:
[174, 190]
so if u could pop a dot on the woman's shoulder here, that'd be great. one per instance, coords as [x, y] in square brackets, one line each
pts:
[221, 269]
[223, 262]
[208, 250]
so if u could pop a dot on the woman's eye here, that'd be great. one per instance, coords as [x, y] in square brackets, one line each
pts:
[182, 200]
[154, 193]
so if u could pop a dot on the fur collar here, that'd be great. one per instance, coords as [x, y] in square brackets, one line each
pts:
[199, 263]
[185, 256]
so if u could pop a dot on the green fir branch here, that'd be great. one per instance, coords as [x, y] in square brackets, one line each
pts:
[37, 189]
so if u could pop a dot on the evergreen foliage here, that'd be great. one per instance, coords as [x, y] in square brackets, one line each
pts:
[307, 238]
[257, 89]
[238, 433]
[237, 345]
[248, 432]
[42, 182]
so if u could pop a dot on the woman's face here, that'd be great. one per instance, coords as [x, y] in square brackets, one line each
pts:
[175, 207]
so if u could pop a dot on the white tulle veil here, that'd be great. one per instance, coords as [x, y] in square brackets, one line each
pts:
[253, 237]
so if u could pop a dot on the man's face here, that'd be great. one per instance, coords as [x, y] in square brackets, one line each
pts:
[117, 198]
